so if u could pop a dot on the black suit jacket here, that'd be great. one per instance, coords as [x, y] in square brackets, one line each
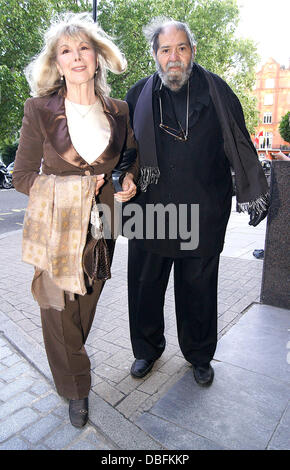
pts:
[195, 172]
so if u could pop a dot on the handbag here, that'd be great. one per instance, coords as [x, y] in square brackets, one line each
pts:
[96, 255]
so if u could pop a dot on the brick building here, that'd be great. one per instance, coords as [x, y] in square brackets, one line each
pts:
[272, 90]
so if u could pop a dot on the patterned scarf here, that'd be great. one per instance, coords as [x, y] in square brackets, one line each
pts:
[55, 228]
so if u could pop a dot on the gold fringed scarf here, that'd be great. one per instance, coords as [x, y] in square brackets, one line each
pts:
[55, 228]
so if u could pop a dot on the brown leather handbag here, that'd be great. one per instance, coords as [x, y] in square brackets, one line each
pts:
[96, 255]
[96, 258]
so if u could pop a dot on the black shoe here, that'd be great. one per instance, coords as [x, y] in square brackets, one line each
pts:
[141, 367]
[79, 412]
[259, 254]
[203, 374]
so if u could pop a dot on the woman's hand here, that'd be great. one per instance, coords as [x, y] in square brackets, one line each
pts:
[129, 189]
[100, 182]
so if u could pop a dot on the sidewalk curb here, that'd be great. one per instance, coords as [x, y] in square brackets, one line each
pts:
[8, 234]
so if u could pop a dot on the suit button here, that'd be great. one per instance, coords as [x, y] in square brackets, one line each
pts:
[87, 173]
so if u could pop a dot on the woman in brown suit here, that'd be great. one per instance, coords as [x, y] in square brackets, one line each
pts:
[71, 127]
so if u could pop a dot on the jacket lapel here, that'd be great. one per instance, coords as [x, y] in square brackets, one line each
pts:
[55, 123]
[118, 127]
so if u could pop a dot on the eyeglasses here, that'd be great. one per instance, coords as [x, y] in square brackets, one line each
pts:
[180, 135]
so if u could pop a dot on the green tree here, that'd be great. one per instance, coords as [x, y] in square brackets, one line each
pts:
[213, 22]
[21, 23]
[284, 127]
[8, 153]
[19, 40]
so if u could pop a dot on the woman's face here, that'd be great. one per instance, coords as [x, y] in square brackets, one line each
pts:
[76, 60]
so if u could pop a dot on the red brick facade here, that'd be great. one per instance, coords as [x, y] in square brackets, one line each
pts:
[272, 91]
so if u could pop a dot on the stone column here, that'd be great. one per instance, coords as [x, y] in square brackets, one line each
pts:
[276, 269]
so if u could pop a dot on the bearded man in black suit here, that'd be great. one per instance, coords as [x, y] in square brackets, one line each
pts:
[190, 130]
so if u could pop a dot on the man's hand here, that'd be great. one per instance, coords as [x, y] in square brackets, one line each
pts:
[129, 189]
[100, 182]
[257, 217]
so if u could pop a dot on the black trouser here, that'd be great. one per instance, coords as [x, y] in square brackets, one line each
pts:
[195, 288]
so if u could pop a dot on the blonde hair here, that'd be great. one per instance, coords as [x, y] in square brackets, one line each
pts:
[42, 74]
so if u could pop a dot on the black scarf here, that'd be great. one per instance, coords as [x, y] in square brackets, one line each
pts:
[252, 186]
[144, 130]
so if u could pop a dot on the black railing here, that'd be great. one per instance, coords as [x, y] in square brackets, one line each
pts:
[284, 147]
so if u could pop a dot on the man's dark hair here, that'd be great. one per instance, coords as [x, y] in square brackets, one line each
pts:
[157, 25]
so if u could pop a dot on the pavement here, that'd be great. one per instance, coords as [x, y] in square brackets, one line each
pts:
[247, 406]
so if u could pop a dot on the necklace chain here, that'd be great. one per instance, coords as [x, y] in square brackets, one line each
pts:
[78, 111]
[166, 128]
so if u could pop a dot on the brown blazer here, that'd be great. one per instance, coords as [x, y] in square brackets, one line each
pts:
[45, 142]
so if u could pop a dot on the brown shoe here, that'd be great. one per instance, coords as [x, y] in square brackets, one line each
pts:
[79, 412]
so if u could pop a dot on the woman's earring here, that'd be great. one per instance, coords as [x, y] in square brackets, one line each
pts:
[61, 77]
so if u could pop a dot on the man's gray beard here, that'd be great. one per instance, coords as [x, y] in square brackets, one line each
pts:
[174, 81]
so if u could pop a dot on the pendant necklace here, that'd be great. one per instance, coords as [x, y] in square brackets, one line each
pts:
[79, 112]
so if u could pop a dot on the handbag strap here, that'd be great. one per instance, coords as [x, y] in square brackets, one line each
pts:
[96, 227]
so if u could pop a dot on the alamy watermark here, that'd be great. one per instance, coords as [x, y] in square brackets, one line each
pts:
[155, 221]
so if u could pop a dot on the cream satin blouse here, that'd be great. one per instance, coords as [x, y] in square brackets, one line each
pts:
[89, 129]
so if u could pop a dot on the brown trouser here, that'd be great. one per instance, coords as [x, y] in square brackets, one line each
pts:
[65, 334]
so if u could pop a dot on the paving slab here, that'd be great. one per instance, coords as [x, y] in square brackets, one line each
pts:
[258, 342]
[281, 437]
[32, 416]
[247, 406]
[113, 421]
[122, 432]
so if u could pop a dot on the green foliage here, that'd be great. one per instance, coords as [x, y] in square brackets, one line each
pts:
[21, 23]
[284, 127]
[19, 40]
[212, 21]
[14, 91]
[8, 153]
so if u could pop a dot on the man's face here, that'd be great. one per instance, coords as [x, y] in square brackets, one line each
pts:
[174, 58]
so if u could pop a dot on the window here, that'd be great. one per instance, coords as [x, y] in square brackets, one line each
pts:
[267, 119]
[269, 83]
[268, 99]
[267, 141]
